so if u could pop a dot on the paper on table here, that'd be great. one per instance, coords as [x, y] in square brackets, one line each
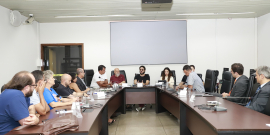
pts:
[268, 125]
[69, 111]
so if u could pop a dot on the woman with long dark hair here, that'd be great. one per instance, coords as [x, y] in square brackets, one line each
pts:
[167, 75]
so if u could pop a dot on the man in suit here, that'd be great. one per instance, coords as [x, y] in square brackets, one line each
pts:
[80, 75]
[240, 84]
[260, 99]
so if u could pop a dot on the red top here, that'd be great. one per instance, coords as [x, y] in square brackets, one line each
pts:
[118, 79]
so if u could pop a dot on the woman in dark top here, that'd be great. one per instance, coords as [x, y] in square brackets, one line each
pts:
[74, 85]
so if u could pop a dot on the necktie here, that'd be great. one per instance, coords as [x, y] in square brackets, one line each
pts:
[83, 82]
[231, 89]
[254, 95]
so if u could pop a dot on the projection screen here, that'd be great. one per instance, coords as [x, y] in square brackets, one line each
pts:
[148, 42]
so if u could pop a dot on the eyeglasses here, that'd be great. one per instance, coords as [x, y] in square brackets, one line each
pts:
[34, 85]
[141, 69]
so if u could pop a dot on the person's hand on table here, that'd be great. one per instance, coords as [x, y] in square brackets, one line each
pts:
[87, 89]
[225, 94]
[31, 120]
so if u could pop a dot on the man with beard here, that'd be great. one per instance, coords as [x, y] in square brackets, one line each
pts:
[142, 78]
[117, 77]
[13, 108]
[63, 88]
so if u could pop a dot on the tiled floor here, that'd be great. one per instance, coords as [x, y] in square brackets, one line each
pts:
[145, 122]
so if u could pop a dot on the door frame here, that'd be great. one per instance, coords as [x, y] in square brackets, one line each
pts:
[62, 44]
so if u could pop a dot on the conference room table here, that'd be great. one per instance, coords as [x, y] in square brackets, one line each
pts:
[236, 120]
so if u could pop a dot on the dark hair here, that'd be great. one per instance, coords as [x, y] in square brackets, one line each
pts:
[237, 67]
[192, 66]
[142, 67]
[100, 67]
[73, 76]
[38, 75]
[163, 74]
[19, 81]
[186, 67]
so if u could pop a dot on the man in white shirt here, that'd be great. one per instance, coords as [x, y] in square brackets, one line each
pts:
[100, 78]
[37, 98]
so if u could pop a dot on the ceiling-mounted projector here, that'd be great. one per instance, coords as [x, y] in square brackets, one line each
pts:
[156, 5]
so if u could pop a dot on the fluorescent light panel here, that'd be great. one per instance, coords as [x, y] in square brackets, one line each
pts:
[217, 13]
[86, 16]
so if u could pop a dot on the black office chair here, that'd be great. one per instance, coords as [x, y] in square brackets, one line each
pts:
[252, 71]
[252, 87]
[225, 69]
[267, 109]
[2, 88]
[210, 81]
[89, 74]
[122, 72]
[174, 76]
[227, 82]
[56, 84]
[200, 75]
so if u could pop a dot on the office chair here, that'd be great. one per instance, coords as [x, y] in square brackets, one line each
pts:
[210, 81]
[122, 72]
[252, 71]
[56, 84]
[227, 82]
[2, 88]
[267, 109]
[252, 87]
[89, 74]
[174, 76]
[200, 75]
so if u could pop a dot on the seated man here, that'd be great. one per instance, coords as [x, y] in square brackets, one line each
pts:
[142, 78]
[50, 94]
[193, 80]
[183, 82]
[13, 108]
[117, 77]
[63, 88]
[80, 82]
[37, 98]
[100, 77]
[240, 84]
[260, 99]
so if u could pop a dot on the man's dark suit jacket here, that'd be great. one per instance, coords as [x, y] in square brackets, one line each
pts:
[80, 84]
[260, 99]
[239, 89]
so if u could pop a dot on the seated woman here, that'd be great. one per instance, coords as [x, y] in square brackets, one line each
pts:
[51, 96]
[167, 75]
[73, 85]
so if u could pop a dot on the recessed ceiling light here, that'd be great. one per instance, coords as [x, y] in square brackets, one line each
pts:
[236, 13]
[217, 13]
[198, 14]
[119, 15]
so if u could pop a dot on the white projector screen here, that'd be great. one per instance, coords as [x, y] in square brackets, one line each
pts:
[148, 43]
